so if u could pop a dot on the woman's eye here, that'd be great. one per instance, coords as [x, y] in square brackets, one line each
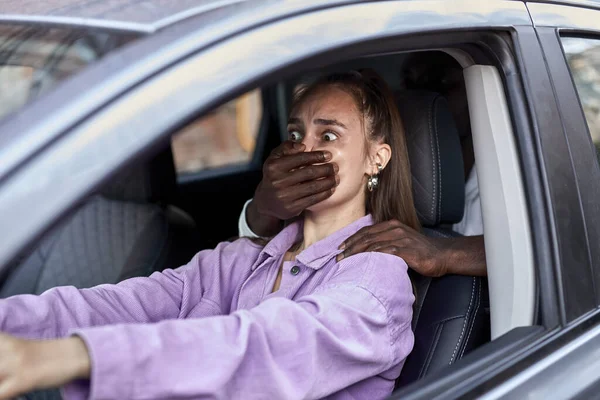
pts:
[329, 137]
[295, 136]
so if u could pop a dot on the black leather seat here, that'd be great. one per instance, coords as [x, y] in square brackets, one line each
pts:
[128, 229]
[451, 314]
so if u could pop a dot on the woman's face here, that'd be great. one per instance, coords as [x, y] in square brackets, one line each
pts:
[328, 119]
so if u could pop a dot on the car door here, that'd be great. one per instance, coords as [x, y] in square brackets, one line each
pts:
[175, 94]
[569, 37]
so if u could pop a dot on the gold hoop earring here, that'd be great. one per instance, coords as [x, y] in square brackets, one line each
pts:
[373, 181]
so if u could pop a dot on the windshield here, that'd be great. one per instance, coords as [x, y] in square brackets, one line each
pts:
[34, 59]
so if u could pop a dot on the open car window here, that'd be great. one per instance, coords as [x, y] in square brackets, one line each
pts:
[225, 136]
[33, 60]
[583, 56]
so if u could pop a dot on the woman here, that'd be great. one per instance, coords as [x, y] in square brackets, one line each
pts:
[283, 321]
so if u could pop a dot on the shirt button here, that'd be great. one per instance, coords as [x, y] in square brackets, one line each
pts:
[295, 270]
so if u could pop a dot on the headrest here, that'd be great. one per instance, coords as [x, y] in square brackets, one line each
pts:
[153, 181]
[435, 157]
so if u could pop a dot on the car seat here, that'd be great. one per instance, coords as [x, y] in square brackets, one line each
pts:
[127, 229]
[450, 315]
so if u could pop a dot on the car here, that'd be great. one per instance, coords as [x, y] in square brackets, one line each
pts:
[132, 133]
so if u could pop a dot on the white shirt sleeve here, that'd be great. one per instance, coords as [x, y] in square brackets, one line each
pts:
[243, 228]
[472, 222]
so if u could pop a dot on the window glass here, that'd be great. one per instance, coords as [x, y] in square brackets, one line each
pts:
[583, 56]
[226, 136]
[34, 59]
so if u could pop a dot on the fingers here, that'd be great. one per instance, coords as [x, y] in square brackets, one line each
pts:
[399, 248]
[313, 172]
[292, 161]
[374, 238]
[355, 248]
[367, 234]
[388, 247]
[287, 148]
[310, 188]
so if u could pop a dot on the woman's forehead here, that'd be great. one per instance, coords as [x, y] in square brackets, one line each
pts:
[327, 101]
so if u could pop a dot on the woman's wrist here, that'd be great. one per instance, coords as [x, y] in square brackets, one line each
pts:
[79, 357]
[63, 360]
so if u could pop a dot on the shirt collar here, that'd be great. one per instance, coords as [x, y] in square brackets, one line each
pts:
[319, 253]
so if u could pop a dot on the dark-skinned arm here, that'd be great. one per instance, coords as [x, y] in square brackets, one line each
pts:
[292, 181]
[426, 255]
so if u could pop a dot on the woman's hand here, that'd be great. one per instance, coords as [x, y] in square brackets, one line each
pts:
[426, 255]
[27, 365]
[291, 182]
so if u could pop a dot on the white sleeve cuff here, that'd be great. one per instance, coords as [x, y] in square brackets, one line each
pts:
[243, 228]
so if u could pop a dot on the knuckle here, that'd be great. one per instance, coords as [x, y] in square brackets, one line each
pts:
[311, 172]
[280, 196]
[395, 223]
[397, 234]
[270, 166]
[398, 229]
[315, 186]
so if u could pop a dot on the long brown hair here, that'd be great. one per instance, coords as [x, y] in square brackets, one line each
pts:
[393, 198]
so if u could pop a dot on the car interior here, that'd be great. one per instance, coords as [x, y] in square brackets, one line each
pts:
[158, 212]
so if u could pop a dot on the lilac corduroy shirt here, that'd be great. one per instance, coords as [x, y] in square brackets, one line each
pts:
[214, 329]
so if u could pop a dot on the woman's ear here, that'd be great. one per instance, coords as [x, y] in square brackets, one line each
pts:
[381, 154]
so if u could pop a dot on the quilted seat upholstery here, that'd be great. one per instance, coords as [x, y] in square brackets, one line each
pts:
[105, 241]
[125, 230]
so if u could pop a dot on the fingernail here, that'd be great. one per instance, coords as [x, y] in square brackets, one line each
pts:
[327, 156]
[342, 246]
[337, 180]
[336, 168]
[339, 258]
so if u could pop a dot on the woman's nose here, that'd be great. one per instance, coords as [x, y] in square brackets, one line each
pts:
[310, 143]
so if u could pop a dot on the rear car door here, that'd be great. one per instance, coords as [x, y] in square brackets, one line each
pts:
[569, 37]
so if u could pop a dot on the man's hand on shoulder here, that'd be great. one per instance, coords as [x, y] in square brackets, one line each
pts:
[426, 255]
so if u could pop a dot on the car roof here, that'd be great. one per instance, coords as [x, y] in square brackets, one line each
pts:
[151, 15]
[135, 15]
